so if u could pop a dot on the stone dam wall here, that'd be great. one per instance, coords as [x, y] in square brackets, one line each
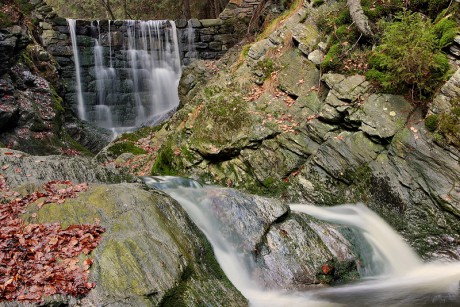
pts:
[197, 39]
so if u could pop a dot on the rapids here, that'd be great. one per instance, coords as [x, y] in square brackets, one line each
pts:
[403, 279]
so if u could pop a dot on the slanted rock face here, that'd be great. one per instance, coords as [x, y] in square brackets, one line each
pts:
[327, 141]
[20, 168]
[33, 116]
[151, 253]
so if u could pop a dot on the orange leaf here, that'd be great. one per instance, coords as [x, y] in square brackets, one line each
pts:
[53, 241]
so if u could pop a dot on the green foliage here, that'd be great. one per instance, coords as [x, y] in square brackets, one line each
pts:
[266, 67]
[24, 6]
[5, 20]
[139, 133]
[210, 91]
[429, 7]
[445, 31]
[456, 111]
[317, 3]
[332, 59]
[449, 128]
[57, 101]
[409, 56]
[333, 19]
[431, 122]
[245, 50]
[343, 18]
[119, 148]
[164, 163]
[446, 126]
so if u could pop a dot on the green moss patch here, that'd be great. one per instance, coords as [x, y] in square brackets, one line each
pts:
[223, 116]
[139, 133]
[119, 148]
[164, 163]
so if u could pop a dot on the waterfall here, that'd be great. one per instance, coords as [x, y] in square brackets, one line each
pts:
[73, 36]
[380, 235]
[406, 282]
[190, 32]
[105, 78]
[134, 79]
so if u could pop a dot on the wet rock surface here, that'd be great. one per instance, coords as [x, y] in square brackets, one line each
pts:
[332, 141]
[151, 253]
[288, 250]
[32, 113]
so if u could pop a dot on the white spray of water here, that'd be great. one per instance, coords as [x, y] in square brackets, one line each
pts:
[73, 36]
[407, 281]
[190, 32]
[380, 235]
[233, 262]
[153, 55]
[105, 77]
[148, 92]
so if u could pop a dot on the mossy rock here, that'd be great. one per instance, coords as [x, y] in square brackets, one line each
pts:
[118, 148]
[149, 248]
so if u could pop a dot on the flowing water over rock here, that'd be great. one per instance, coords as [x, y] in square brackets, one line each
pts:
[403, 280]
[136, 74]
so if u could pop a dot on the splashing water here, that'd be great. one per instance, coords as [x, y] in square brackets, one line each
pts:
[405, 281]
[81, 110]
[136, 87]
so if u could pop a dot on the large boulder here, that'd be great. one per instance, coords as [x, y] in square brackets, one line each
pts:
[151, 253]
[20, 168]
[284, 250]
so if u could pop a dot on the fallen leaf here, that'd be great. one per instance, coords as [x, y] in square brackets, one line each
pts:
[53, 241]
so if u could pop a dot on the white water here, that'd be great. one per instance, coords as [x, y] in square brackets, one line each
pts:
[76, 58]
[148, 92]
[383, 239]
[406, 282]
[105, 78]
[190, 31]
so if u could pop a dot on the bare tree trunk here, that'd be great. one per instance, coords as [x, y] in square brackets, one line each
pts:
[125, 8]
[106, 4]
[186, 9]
[359, 18]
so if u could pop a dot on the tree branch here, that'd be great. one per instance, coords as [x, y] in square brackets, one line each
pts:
[359, 18]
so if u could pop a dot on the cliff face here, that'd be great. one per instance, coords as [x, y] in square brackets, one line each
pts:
[33, 116]
[266, 120]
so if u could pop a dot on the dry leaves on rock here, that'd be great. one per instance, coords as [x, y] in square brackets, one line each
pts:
[38, 260]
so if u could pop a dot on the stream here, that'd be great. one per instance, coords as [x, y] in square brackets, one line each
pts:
[402, 279]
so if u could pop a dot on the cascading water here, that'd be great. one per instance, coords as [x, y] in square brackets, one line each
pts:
[135, 85]
[190, 32]
[405, 282]
[80, 103]
[372, 228]
[105, 78]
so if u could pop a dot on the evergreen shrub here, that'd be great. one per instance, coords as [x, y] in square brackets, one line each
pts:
[410, 57]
